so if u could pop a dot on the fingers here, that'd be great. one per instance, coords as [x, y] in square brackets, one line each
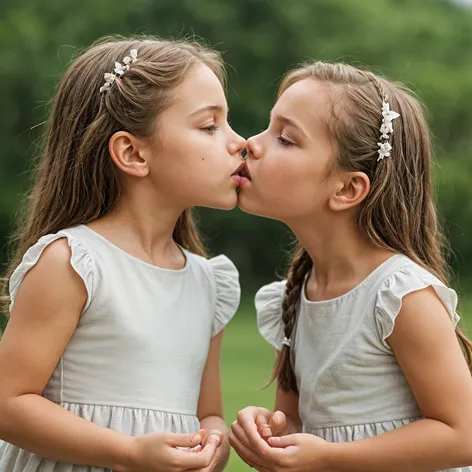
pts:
[283, 441]
[245, 453]
[185, 440]
[263, 428]
[248, 423]
[197, 448]
[238, 431]
[216, 434]
[215, 437]
[278, 423]
[202, 459]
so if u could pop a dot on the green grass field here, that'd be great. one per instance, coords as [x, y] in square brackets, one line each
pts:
[246, 366]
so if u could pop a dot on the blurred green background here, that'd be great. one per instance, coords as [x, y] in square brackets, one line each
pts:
[424, 43]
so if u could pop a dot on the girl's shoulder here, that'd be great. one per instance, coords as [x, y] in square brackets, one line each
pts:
[408, 277]
[223, 277]
[81, 260]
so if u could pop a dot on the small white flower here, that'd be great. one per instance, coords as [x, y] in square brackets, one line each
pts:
[387, 114]
[385, 129]
[110, 77]
[384, 150]
[133, 55]
[109, 81]
[390, 116]
[120, 69]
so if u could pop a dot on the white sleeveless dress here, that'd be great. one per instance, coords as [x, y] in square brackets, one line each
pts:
[350, 384]
[135, 361]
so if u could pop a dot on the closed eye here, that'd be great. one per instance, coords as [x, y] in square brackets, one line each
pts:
[210, 129]
[284, 142]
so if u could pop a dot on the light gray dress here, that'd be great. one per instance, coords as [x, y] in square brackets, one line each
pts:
[350, 384]
[135, 361]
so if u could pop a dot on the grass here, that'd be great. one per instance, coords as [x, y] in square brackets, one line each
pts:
[246, 366]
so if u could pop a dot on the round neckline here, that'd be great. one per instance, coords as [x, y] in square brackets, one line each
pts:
[336, 300]
[139, 261]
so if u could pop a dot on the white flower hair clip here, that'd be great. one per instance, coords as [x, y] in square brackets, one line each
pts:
[386, 130]
[119, 70]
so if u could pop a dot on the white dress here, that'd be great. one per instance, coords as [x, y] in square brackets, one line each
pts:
[135, 361]
[350, 384]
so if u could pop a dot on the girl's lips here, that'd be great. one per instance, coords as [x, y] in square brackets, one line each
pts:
[236, 178]
[241, 176]
[244, 182]
[242, 171]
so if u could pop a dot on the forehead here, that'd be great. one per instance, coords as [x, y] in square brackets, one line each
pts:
[307, 101]
[200, 87]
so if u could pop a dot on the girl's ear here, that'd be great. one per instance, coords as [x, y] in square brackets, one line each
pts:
[128, 153]
[350, 189]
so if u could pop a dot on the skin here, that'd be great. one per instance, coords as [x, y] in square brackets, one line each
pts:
[295, 157]
[189, 161]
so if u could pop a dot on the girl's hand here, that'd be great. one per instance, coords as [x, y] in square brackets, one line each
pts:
[276, 426]
[160, 452]
[297, 453]
[214, 435]
[253, 425]
[291, 453]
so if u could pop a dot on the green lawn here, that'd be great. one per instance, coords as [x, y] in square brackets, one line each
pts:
[246, 366]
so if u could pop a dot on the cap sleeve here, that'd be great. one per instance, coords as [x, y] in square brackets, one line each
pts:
[404, 281]
[268, 303]
[227, 291]
[81, 261]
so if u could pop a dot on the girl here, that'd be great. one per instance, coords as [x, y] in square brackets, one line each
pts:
[368, 366]
[110, 359]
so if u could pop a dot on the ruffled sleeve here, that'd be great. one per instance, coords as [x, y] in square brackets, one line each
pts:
[81, 261]
[268, 303]
[227, 291]
[410, 278]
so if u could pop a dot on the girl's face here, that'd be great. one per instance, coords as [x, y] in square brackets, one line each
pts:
[196, 155]
[288, 163]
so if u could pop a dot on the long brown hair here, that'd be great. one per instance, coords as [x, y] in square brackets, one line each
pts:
[399, 212]
[75, 179]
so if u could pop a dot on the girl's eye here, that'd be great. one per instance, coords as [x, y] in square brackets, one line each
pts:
[210, 129]
[284, 142]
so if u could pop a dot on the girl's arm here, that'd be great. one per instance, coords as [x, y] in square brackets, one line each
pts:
[427, 350]
[210, 403]
[256, 424]
[287, 403]
[45, 314]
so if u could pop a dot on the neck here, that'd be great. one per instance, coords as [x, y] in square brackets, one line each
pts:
[142, 223]
[342, 256]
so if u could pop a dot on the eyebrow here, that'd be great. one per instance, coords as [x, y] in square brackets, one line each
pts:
[289, 122]
[208, 108]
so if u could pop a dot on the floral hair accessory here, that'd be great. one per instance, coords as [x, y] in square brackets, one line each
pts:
[386, 130]
[119, 70]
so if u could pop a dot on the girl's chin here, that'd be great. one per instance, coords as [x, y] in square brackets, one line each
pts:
[228, 203]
